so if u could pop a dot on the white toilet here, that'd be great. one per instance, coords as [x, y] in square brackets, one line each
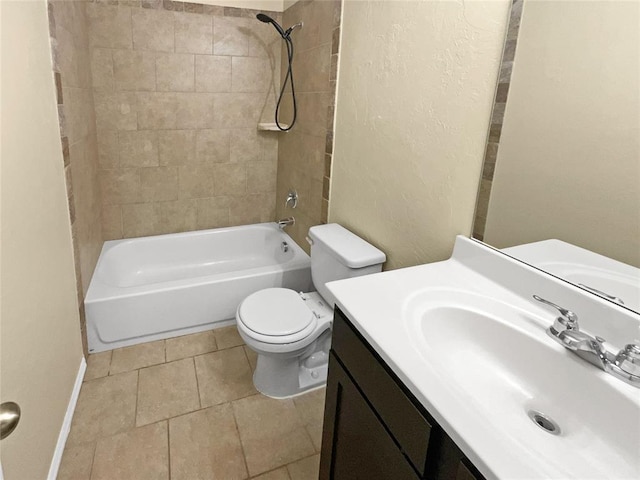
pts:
[291, 331]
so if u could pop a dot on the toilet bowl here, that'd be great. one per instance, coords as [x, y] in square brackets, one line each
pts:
[291, 334]
[291, 331]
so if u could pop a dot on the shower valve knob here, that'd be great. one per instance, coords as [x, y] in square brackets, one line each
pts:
[292, 199]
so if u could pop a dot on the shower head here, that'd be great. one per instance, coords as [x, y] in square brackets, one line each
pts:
[267, 19]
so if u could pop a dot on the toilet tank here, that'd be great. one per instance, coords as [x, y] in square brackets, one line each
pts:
[336, 254]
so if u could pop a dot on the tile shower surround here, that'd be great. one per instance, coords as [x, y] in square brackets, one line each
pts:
[304, 153]
[160, 170]
[179, 89]
[68, 31]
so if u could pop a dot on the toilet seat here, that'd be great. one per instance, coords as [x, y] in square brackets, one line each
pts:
[276, 315]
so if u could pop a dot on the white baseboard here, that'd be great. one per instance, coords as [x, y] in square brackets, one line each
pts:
[66, 424]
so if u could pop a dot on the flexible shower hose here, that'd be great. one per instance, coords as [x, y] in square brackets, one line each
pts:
[288, 77]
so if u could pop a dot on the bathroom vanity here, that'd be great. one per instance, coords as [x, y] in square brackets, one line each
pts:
[448, 371]
[374, 425]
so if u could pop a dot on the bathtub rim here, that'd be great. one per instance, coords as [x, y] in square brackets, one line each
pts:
[100, 291]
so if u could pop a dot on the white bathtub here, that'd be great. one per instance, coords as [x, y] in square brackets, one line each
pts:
[163, 286]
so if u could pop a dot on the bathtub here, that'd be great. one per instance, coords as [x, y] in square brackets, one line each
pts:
[151, 288]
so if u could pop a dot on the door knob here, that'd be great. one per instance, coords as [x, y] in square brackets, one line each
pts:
[9, 418]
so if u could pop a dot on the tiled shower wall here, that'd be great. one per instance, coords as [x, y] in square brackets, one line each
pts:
[68, 29]
[304, 157]
[179, 90]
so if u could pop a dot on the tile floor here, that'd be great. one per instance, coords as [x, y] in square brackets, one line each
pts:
[186, 409]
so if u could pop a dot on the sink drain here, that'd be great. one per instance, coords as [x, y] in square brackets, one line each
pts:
[544, 422]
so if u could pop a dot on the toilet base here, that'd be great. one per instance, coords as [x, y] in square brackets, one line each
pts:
[283, 376]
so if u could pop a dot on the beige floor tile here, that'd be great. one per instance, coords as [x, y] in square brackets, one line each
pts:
[76, 462]
[98, 365]
[305, 469]
[272, 433]
[205, 444]
[137, 356]
[315, 432]
[190, 345]
[310, 407]
[223, 376]
[279, 474]
[140, 454]
[106, 406]
[252, 356]
[227, 337]
[166, 391]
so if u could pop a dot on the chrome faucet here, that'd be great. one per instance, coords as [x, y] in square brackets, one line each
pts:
[292, 199]
[566, 331]
[285, 222]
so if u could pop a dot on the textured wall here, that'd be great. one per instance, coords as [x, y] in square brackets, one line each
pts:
[178, 97]
[568, 165]
[40, 341]
[497, 117]
[304, 156]
[68, 29]
[415, 90]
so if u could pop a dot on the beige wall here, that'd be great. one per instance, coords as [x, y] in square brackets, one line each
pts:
[568, 165]
[40, 341]
[72, 66]
[178, 97]
[303, 157]
[415, 90]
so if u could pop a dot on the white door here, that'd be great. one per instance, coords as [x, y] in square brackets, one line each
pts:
[40, 348]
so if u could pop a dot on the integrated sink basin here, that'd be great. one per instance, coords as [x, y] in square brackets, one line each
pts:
[525, 386]
[596, 273]
[470, 342]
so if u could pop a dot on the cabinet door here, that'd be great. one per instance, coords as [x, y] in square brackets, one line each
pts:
[464, 473]
[355, 444]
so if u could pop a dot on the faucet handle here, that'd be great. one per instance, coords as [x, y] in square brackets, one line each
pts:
[567, 319]
[292, 199]
[628, 359]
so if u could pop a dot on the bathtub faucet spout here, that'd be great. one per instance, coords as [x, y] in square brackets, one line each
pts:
[285, 222]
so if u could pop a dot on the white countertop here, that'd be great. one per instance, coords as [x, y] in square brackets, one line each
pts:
[378, 305]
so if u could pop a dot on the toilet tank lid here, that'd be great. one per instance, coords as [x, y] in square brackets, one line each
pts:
[347, 247]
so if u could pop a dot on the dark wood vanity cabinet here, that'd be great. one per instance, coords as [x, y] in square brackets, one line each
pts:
[374, 428]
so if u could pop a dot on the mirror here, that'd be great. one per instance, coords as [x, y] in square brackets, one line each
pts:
[563, 154]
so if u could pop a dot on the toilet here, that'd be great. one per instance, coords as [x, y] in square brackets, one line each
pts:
[291, 331]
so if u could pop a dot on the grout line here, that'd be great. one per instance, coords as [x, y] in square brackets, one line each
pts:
[93, 457]
[244, 349]
[168, 448]
[190, 413]
[195, 371]
[306, 429]
[244, 455]
[286, 471]
[135, 414]
[111, 361]
[286, 466]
